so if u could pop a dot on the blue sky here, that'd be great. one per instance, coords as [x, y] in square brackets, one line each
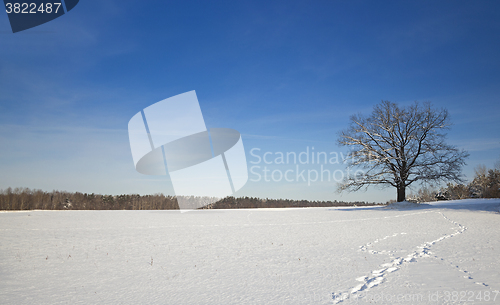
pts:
[286, 74]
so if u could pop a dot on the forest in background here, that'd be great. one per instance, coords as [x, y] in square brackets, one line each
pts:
[485, 184]
[27, 199]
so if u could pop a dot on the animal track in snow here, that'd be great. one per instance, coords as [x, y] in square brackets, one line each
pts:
[459, 231]
[377, 277]
[364, 248]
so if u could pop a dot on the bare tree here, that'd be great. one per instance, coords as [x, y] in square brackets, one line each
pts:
[397, 146]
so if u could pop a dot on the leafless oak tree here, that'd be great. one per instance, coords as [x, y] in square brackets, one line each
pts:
[397, 146]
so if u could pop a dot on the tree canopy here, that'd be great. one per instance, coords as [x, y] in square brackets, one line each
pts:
[397, 146]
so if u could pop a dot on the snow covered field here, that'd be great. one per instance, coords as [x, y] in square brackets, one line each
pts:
[440, 253]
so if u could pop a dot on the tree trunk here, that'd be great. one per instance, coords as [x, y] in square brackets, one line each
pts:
[401, 193]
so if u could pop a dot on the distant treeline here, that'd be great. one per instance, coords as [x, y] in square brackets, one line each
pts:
[250, 202]
[486, 184]
[27, 199]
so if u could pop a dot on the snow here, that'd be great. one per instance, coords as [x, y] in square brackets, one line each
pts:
[435, 253]
[404, 205]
